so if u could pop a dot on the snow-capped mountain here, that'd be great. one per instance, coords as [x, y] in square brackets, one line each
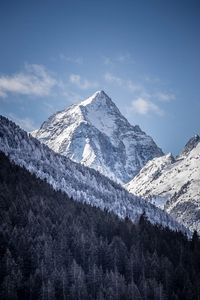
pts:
[173, 184]
[82, 183]
[96, 134]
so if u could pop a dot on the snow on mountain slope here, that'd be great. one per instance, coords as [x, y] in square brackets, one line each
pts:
[81, 183]
[95, 133]
[173, 184]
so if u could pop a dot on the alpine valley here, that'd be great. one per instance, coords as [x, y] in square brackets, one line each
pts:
[91, 209]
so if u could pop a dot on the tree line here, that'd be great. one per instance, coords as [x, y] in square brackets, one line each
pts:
[52, 247]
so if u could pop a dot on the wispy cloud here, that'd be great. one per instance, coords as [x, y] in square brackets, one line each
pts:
[165, 96]
[120, 82]
[118, 59]
[82, 83]
[148, 98]
[144, 107]
[25, 123]
[152, 79]
[113, 79]
[74, 60]
[33, 80]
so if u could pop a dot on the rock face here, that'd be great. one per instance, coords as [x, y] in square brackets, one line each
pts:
[191, 144]
[81, 183]
[173, 184]
[96, 134]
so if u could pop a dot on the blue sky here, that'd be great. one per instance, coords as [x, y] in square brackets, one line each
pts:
[145, 54]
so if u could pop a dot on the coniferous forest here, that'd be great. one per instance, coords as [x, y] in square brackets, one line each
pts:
[52, 247]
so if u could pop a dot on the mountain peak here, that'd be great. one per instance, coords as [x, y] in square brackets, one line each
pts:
[99, 97]
[96, 134]
[191, 144]
[101, 93]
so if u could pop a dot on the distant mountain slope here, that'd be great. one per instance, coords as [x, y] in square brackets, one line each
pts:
[81, 183]
[95, 133]
[54, 248]
[173, 184]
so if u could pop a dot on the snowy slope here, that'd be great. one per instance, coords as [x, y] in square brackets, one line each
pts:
[173, 184]
[95, 133]
[81, 183]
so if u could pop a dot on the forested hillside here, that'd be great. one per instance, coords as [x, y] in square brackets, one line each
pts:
[54, 248]
[81, 183]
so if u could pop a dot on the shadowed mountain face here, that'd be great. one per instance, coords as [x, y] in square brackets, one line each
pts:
[173, 184]
[95, 133]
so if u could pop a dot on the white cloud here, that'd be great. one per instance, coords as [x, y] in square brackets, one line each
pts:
[144, 106]
[25, 123]
[165, 97]
[82, 83]
[126, 83]
[33, 80]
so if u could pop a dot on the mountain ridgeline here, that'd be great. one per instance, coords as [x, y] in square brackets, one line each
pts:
[77, 181]
[96, 134]
[68, 231]
[52, 247]
[173, 184]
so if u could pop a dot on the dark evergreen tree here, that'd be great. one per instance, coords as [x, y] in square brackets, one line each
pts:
[52, 247]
